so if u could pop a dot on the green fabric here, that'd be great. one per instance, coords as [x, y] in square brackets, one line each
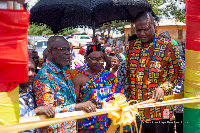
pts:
[123, 57]
[191, 120]
[174, 42]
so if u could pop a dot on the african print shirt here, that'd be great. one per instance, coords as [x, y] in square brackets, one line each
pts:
[145, 73]
[99, 88]
[27, 105]
[53, 87]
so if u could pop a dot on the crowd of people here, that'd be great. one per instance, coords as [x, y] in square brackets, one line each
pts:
[150, 67]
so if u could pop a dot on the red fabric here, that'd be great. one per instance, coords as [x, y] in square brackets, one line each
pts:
[94, 48]
[81, 50]
[193, 22]
[13, 48]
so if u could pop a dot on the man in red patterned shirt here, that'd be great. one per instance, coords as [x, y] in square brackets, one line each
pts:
[152, 71]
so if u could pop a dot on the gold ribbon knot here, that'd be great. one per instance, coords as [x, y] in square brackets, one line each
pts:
[124, 114]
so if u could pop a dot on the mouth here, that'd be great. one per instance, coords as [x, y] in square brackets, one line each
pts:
[142, 38]
[98, 66]
[66, 59]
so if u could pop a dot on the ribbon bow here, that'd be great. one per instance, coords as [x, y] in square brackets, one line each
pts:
[124, 114]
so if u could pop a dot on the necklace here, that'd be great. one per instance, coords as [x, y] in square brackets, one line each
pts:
[153, 50]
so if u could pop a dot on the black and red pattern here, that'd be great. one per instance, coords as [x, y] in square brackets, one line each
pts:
[145, 74]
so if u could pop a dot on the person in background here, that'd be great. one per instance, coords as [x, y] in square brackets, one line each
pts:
[115, 61]
[168, 37]
[34, 56]
[72, 51]
[179, 89]
[45, 55]
[152, 71]
[34, 47]
[95, 40]
[118, 50]
[53, 87]
[95, 84]
[121, 74]
[27, 104]
[165, 35]
[81, 55]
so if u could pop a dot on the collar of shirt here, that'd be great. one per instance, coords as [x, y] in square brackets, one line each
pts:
[147, 44]
[54, 68]
[28, 89]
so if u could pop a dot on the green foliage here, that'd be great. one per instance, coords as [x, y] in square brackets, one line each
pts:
[39, 30]
[66, 31]
[44, 30]
[170, 10]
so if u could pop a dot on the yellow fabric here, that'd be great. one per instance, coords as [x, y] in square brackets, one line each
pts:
[73, 73]
[9, 107]
[192, 76]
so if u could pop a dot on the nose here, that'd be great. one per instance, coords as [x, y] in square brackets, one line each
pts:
[99, 61]
[142, 32]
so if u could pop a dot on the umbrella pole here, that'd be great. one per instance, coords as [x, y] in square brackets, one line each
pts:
[93, 24]
[93, 28]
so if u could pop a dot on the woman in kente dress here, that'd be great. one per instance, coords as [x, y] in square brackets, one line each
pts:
[95, 84]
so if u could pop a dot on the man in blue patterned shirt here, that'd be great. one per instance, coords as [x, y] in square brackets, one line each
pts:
[53, 87]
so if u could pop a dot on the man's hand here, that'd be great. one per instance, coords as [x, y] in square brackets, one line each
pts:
[158, 94]
[47, 110]
[86, 106]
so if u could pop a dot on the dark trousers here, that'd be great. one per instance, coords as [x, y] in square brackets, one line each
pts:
[155, 126]
[179, 122]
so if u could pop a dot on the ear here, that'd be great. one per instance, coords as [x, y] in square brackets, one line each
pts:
[86, 58]
[49, 51]
[154, 24]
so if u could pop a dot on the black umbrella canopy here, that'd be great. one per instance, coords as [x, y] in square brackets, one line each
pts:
[109, 10]
[60, 14]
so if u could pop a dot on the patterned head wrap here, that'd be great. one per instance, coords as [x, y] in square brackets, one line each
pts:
[92, 48]
[118, 56]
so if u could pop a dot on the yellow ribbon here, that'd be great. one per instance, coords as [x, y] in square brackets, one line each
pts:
[124, 114]
[120, 106]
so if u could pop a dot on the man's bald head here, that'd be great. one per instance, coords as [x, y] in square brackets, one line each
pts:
[143, 16]
[53, 40]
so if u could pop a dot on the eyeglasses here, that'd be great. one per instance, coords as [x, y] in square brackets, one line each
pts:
[96, 60]
[64, 49]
